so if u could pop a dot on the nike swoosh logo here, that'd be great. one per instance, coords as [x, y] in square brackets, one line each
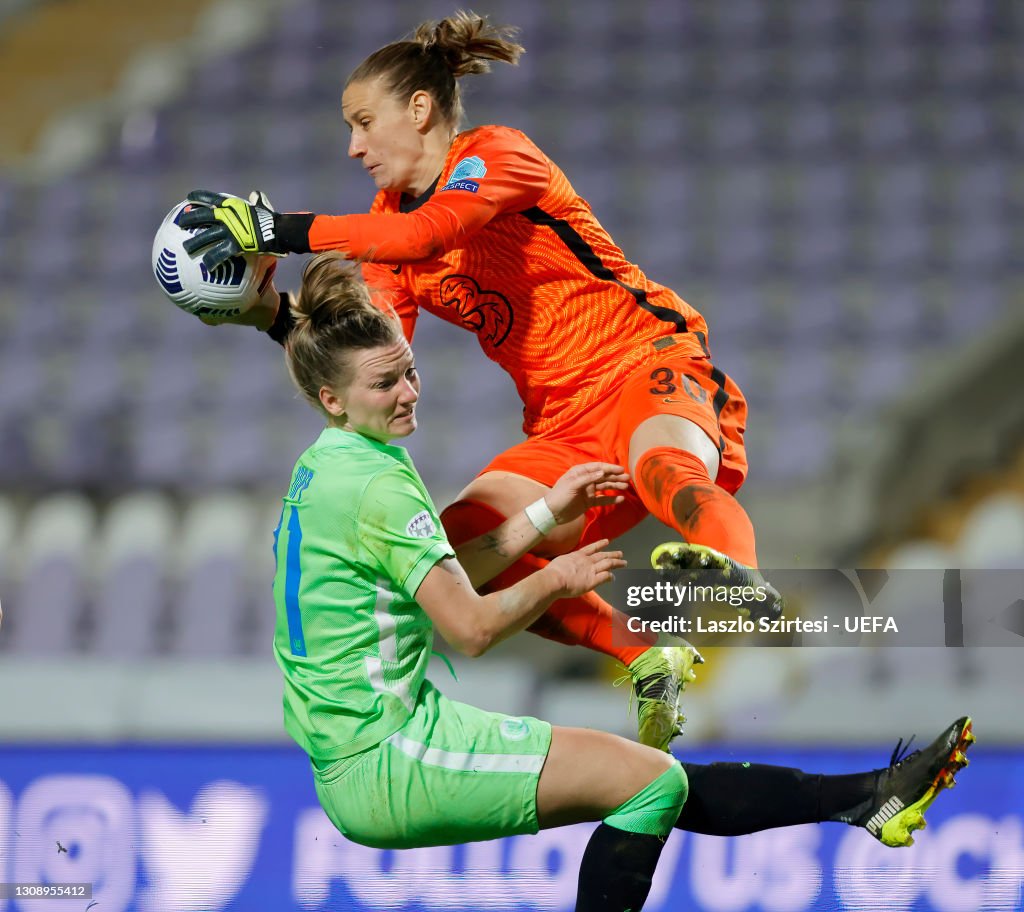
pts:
[397, 269]
[680, 401]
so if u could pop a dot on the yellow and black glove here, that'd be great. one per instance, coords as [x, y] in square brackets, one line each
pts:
[233, 226]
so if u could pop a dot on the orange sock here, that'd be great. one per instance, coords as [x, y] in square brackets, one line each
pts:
[676, 488]
[587, 620]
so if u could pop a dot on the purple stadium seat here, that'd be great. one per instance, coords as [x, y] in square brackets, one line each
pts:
[816, 70]
[799, 449]
[741, 22]
[900, 245]
[816, 314]
[895, 66]
[136, 538]
[979, 245]
[260, 619]
[906, 313]
[661, 73]
[232, 450]
[736, 134]
[882, 378]
[965, 21]
[375, 26]
[741, 311]
[291, 429]
[660, 132]
[585, 129]
[46, 612]
[747, 75]
[820, 245]
[23, 377]
[902, 190]
[14, 202]
[302, 25]
[173, 378]
[226, 84]
[969, 68]
[53, 263]
[162, 449]
[210, 595]
[293, 75]
[822, 189]
[811, 129]
[816, 24]
[62, 207]
[743, 250]
[895, 18]
[293, 138]
[974, 299]
[966, 128]
[210, 608]
[980, 191]
[96, 379]
[804, 381]
[889, 129]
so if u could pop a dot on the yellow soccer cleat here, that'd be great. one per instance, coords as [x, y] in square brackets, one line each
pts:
[660, 676]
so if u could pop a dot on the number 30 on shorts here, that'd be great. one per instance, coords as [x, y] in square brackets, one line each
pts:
[665, 380]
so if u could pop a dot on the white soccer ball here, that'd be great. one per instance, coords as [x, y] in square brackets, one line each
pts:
[231, 289]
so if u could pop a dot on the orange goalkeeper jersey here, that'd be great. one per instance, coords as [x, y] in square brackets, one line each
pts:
[503, 246]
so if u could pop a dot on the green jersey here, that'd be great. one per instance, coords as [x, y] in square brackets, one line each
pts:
[358, 533]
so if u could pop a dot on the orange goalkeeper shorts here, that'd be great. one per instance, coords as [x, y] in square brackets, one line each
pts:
[666, 384]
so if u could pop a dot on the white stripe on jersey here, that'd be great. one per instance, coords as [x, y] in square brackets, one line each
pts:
[387, 646]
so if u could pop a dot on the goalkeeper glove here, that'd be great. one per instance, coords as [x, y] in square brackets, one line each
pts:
[234, 226]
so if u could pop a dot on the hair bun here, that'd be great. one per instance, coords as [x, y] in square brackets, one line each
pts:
[334, 316]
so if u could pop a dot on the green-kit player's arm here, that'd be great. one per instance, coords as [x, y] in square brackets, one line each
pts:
[399, 532]
[474, 623]
[590, 484]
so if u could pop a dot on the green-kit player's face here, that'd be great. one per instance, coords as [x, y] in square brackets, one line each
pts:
[380, 402]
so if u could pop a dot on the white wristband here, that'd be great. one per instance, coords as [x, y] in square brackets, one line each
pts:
[539, 513]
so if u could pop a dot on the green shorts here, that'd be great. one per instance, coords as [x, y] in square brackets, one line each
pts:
[452, 774]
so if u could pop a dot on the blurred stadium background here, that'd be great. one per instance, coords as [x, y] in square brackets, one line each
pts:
[836, 185]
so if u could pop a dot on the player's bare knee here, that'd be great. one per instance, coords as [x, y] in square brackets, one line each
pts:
[665, 432]
[639, 764]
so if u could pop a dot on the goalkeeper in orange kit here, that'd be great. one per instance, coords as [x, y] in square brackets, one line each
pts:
[483, 230]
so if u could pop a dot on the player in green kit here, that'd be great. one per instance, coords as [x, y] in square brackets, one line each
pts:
[365, 574]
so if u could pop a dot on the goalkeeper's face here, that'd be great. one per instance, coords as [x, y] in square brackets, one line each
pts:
[392, 140]
[379, 400]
